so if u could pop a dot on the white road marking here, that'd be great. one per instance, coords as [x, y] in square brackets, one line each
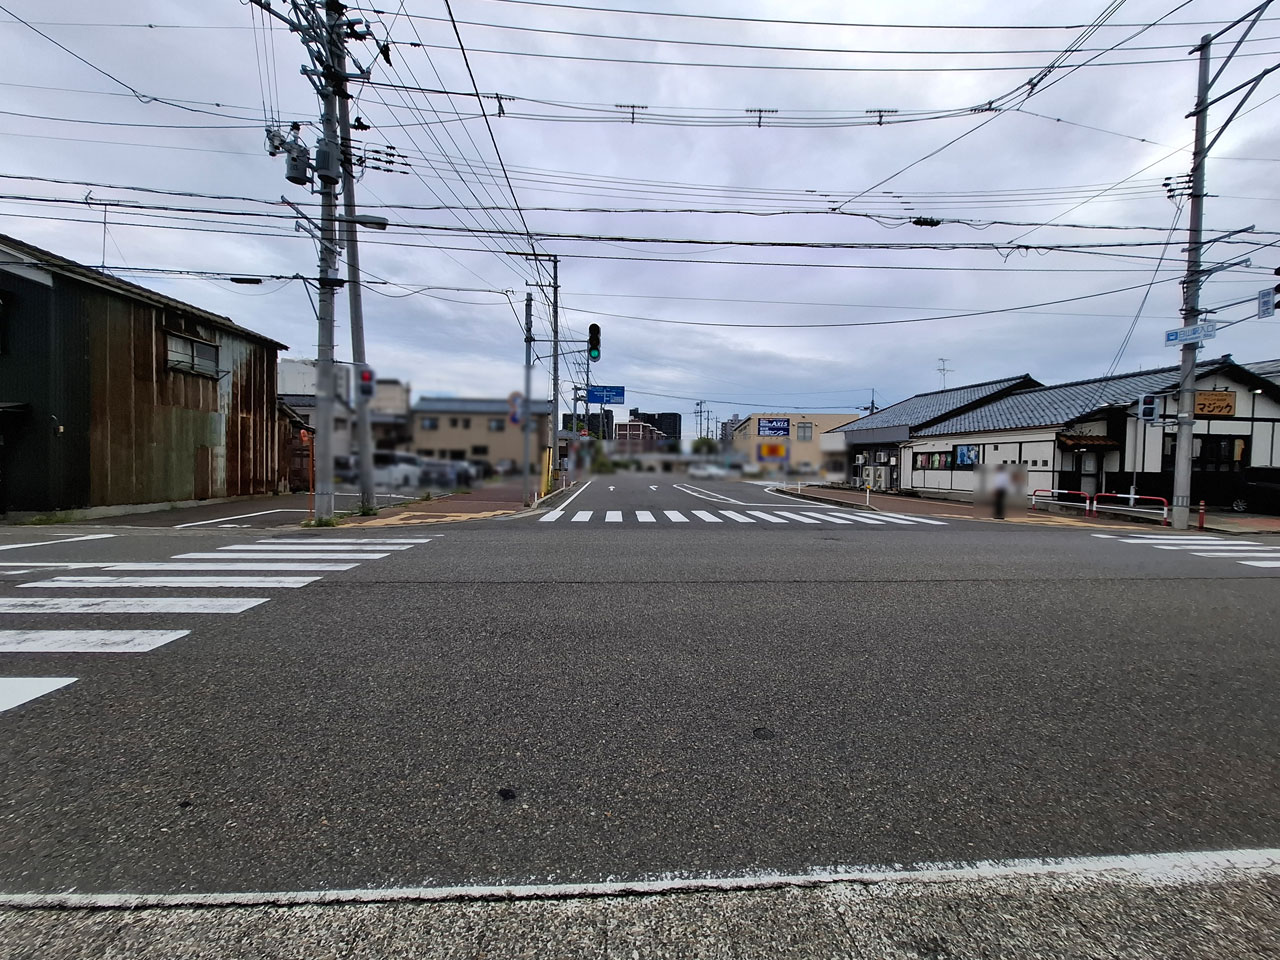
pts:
[644, 516]
[1150, 870]
[734, 515]
[707, 516]
[86, 641]
[1104, 536]
[30, 564]
[702, 494]
[243, 516]
[345, 540]
[766, 516]
[613, 516]
[798, 517]
[551, 517]
[276, 556]
[913, 517]
[859, 517]
[653, 486]
[294, 548]
[128, 604]
[828, 517]
[1212, 546]
[1260, 563]
[879, 517]
[16, 690]
[49, 543]
[1156, 541]
[575, 496]
[234, 565]
[1252, 554]
[180, 582]
[582, 516]
[675, 516]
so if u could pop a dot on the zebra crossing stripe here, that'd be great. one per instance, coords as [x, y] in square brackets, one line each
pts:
[1251, 554]
[128, 604]
[582, 516]
[798, 517]
[644, 516]
[291, 548]
[913, 518]
[879, 518]
[278, 556]
[1261, 563]
[766, 516]
[734, 515]
[345, 540]
[830, 517]
[233, 565]
[86, 641]
[859, 518]
[18, 690]
[1237, 545]
[675, 516]
[707, 516]
[551, 517]
[179, 582]
[613, 516]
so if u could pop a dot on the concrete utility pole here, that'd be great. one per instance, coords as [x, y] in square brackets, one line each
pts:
[1191, 303]
[355, 301]
[528, 386]
[555, 364]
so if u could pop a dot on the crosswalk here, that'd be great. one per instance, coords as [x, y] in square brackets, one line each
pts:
[206, 583]
[1249, 553]
[741, 516]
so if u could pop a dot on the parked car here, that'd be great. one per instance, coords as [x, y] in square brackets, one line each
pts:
[507, 467]
[440, 474]
[1258, 491]
[394, 469]
[707, 471]
[346, 469]
[484, 469]
[752, 469]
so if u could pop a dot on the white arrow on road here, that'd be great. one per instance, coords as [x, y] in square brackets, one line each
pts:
[653, 486]
[611, 489]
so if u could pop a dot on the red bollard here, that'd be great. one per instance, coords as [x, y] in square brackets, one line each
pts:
[1200, 522]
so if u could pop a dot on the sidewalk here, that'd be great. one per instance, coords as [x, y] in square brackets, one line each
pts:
[1216, 522]
[499, 499]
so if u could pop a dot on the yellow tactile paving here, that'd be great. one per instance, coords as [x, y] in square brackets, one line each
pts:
[410, 518]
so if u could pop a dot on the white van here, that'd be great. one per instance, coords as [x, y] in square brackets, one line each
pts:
[393, 469]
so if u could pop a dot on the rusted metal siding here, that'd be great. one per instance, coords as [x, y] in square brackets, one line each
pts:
[159, 434]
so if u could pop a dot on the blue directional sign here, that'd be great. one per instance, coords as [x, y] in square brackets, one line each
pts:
[1192, 334]
[606, 395]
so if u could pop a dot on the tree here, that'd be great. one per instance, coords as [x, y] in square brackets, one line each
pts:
[704, 445]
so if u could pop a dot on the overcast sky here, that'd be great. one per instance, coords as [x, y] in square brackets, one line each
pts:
[1082, 131]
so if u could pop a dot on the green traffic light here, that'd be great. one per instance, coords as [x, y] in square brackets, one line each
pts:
[595, 354]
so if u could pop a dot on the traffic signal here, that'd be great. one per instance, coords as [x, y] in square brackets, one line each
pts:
[366, 382]
[593, 341]
[1149, 407]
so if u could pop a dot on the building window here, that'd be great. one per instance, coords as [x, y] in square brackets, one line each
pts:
[453, 423]
[430, 423]
[497, 424]
[941, 460]
[804, 431]
[426, 453]
[192, 356]
[479, 451]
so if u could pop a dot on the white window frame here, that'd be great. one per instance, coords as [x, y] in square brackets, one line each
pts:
[184, 353]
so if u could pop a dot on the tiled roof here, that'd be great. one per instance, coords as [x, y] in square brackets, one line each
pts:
[1265, 368]
[924, 407]
[1064, 402]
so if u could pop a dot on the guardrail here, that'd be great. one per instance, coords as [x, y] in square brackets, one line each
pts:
[1162, 510]
[1090, 502]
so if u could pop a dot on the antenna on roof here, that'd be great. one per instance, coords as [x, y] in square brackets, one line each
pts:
[943, 370]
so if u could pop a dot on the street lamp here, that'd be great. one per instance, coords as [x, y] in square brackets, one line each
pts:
[365, 220]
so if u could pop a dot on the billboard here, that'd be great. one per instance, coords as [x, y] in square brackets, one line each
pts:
[776, 452]
[773, 427]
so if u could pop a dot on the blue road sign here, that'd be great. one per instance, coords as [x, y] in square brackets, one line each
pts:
[1193, 334]
[606, 395]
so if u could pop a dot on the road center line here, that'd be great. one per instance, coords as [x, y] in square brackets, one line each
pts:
[54, 543]
[243, 516]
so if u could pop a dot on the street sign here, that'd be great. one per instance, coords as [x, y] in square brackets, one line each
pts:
[606, 395]
[515, 404]
[773, 452]
[773, 427]
[1266, 303]
[1220, 403]
[1192, 334]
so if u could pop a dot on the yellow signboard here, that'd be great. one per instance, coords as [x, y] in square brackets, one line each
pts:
[773, 451]
[1220, 403]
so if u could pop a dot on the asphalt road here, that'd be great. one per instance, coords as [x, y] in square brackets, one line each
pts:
[547, 701]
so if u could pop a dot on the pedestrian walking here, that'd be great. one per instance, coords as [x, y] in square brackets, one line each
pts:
[999, 490]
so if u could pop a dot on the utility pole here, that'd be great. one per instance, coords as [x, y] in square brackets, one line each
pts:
[355, 301]
[555, 349]
[528, 386]
[1191, 303]
[323, 36]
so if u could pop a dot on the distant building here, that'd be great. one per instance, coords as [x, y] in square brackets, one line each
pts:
[390, 396]
[592, 422]
[114, 394]
[637, 436]
[788, 441]
[668, 424]
[298, 375]
[451, 428]
[304, 405]
[726, 430]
